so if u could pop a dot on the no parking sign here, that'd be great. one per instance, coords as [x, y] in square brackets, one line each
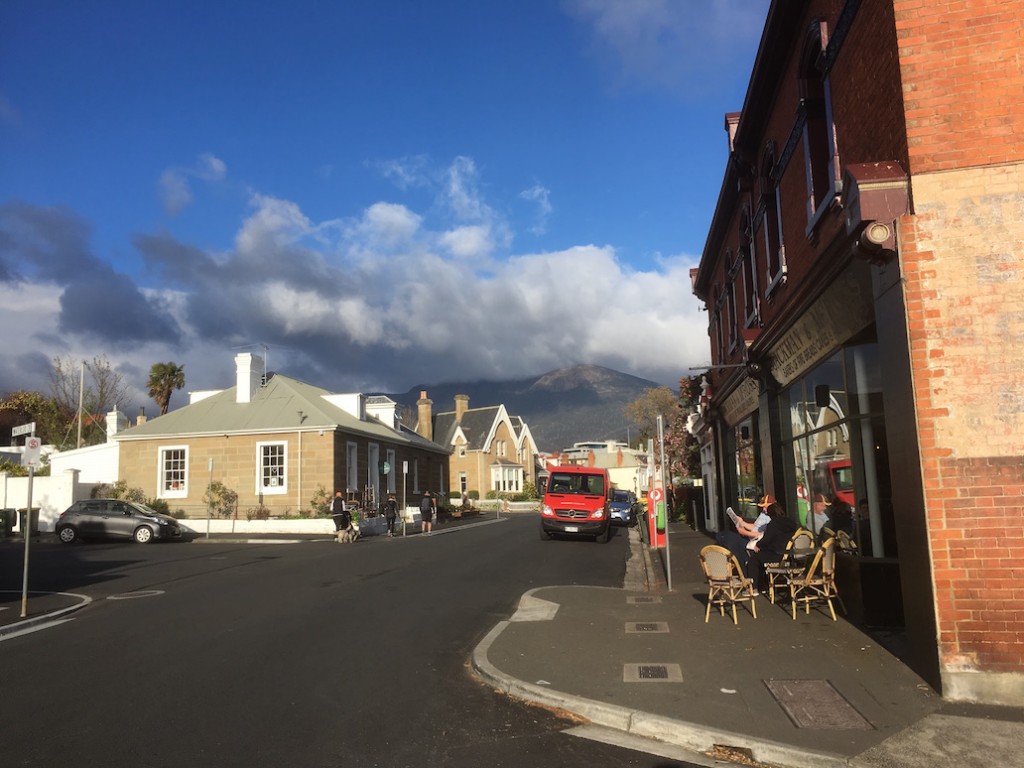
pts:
[30, 458]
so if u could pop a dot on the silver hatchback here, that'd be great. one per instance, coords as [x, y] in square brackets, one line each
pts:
[114, 519]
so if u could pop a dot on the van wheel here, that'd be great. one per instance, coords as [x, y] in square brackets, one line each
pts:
[545, 536]
[604, 537]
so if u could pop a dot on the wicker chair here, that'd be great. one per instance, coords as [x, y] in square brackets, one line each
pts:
[792, 564]
[726, 583]
[846, 543]
[819, 583]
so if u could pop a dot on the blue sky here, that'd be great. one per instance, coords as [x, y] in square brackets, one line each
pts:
[384, 193]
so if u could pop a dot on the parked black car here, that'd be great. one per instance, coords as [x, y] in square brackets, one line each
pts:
[114, 519]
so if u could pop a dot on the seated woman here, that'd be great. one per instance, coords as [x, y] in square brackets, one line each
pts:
[772, 544]
[739, 540]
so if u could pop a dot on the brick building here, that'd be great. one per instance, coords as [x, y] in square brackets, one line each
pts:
[275, 440]
[864, 278]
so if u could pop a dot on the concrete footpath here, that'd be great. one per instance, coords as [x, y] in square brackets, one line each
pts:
[640, 662]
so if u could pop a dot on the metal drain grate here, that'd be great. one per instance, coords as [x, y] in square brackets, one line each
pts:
[648, 627]
[642, 600]
[816, 704]
[651, 673]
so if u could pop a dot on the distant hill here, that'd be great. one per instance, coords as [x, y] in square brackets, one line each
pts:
[562, 407]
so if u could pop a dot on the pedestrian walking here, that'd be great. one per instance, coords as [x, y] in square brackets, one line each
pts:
[339, 513]
[391, 514]
[427, 512]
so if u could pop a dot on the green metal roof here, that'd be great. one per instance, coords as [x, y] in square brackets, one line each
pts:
[282, 404]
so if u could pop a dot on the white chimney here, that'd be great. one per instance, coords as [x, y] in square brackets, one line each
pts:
[116, 421]
[249, 376]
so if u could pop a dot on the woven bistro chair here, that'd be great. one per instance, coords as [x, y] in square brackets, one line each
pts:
[819, 583]
[726, 583]
[846, 543]
[792, 564]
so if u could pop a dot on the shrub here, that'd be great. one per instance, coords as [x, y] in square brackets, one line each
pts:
[158, 505]
[257, 513]
[320, 502]
[222, 499]
[473, 495]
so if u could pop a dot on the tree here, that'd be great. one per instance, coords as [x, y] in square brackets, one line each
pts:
[644, 411]
[222, 500]
[99, 392]
[164, 378]
[23, 406]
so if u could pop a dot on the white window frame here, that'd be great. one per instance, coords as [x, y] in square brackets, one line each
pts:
[270, 489]
[352, 467]
[373, 470]
[393, 464]
[165, 492]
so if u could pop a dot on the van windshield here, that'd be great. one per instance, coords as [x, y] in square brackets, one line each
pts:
[566, 482]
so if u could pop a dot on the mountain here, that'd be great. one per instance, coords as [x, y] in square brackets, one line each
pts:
[562, 407]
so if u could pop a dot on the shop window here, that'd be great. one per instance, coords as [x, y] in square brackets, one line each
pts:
[272, 472]
[748, 468]
[820, 151]
[771, 222]
[173, 472]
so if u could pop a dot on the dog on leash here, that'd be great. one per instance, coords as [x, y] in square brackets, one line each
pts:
[348, 535]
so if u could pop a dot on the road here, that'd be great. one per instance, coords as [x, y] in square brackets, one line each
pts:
[312, 654]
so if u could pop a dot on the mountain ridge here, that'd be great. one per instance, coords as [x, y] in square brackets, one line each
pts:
[561, 407]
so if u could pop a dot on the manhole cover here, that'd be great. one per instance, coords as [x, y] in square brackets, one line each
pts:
[642, 600]
[652, 673]
[637, 627]
[816, 704]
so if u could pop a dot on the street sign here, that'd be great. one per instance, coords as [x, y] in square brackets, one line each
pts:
[656, 494]
[24, 429]
[30, 458]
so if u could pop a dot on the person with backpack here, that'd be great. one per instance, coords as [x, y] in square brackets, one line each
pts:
[427, 512]
[391, 514]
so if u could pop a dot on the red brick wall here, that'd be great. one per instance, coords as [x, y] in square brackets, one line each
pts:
[962, 81]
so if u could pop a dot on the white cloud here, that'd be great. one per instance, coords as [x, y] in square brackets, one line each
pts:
[173, 185]
[468, 242]
[275, 223]
[542, 197]
[672, 44]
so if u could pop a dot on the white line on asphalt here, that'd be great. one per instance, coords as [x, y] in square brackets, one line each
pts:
[33, 628]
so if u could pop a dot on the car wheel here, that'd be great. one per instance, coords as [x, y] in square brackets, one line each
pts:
[67, 534]
[143, 535]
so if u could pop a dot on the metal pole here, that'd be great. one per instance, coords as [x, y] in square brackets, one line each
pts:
[26, 527]
[664, 491]
[405, 506]
[81, 396]
[209, 500]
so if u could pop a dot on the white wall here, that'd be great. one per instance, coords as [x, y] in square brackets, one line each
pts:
[52, 495]
[95, 463]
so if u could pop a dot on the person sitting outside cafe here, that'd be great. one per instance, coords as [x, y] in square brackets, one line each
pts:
[771, 545]
[738, 541]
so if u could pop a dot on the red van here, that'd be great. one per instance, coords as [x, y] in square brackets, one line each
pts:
[576, 502]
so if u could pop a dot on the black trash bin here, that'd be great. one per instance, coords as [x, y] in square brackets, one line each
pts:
[33, 522]
[7, 517]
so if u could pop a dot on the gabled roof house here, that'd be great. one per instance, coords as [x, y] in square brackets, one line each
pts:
[276, 440]
[491, 450]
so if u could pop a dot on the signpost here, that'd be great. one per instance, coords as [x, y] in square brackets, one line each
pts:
[30, 458]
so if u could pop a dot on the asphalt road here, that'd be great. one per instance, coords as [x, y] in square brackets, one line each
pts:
[312, 654]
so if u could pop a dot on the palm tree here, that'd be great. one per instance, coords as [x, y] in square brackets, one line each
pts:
[164, 378]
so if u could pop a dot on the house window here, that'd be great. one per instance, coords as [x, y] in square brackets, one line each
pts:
[819, 137]
[373, 472]
[463, 483]
[747, 259]
[392, 470]
[507, 479]
[415, 475]
[273, 469]
[462, 450]
[771, 222]
[352, 467]
[173, 472]
[501, 450]
[730, 300]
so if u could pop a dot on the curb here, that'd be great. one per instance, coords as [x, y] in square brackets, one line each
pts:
[696, 738]
[21, 626]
